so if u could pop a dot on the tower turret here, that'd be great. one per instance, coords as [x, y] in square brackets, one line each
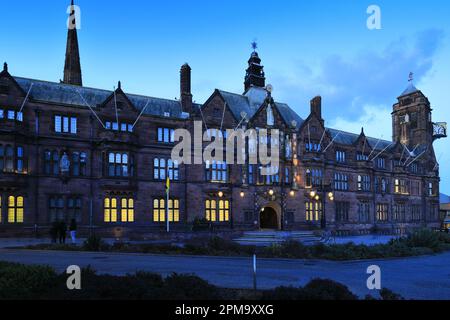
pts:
[254, 76]
[72, 66]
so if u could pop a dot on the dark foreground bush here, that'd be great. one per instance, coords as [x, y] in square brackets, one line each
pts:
[36, 282]
[94, 243]
[25, 282]
[317, 289]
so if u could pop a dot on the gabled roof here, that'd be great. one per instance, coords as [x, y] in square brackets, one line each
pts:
[350, 138]
[252, 100]
[66, 94]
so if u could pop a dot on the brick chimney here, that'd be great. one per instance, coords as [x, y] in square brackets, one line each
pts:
[316, 106]
[185, 88]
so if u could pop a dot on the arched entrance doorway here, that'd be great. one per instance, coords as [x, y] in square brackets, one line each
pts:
[268, 218]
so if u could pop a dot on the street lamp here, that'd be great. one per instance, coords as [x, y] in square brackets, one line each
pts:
[271, 192]
[242, 194]
[292, 193]
[312, 194]
[220, 194]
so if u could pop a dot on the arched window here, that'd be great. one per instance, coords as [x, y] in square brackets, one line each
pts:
[110, 210]
[15, 209]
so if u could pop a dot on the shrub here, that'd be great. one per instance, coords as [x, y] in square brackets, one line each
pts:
[25, 282]
[189, 287]
[317, 289]
[200, 224]
[320, 289]
[424, 238]
[387, 294]
[94, 243]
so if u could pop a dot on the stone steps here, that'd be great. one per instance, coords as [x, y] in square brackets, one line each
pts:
[267, 238]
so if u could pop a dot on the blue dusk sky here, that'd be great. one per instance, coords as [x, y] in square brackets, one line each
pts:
[307, 48]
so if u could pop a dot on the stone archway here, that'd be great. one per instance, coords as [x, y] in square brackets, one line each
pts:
[270, 218]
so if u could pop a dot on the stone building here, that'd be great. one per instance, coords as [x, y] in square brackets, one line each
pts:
[68, 151]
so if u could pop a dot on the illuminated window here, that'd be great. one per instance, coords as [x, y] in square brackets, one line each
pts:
[313, 211]
[217, 210]
[127, 210]
[15, 209]
[401, 186]
[110, 209]
[159, 210]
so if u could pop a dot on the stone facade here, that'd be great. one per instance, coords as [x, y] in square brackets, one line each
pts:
[361, 183]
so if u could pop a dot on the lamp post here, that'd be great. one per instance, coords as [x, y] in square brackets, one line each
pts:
[322, 193]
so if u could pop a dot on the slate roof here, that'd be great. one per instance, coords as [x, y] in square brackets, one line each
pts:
[443, 198]
[410, 89]
[65, 94]
[252, 100]
[350, 138]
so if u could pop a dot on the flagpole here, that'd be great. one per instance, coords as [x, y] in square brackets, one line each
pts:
[167, 201]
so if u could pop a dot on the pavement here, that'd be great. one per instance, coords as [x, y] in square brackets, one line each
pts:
[426, 277]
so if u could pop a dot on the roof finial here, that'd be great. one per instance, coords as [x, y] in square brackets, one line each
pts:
[254, 45]
[411, 77]
[119, 85]
[362, 130]
[5, 66]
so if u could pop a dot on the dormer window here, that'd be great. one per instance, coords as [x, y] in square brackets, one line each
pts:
[65, 124]
[114, 126]
[362, 157]
[166, 135]
[340, 156]
[11, 115]
[270, 117]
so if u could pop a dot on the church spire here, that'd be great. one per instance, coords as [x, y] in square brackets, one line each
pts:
[254, 76]
[72, 66]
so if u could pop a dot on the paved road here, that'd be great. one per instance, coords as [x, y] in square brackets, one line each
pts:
[415, 278]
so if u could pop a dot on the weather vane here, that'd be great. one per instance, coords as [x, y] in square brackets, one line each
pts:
[411, 77]
[254, 45]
